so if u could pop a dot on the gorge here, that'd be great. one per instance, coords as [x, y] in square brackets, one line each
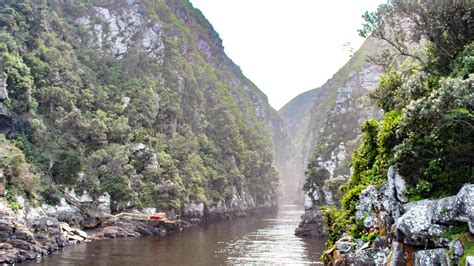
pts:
[126, 118]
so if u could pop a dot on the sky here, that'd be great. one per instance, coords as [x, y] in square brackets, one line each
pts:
[287, 47]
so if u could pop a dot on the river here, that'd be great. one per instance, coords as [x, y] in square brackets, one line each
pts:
[260, 239]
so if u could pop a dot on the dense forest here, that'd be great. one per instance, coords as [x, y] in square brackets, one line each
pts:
[135, 99]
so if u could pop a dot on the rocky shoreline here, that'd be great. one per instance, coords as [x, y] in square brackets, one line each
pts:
[425, 232]
[35, 232]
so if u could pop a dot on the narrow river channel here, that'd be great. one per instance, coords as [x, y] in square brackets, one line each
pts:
[261, 239]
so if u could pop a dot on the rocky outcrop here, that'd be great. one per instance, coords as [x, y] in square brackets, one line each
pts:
[417, 233]
[6, 122]
[311, 224]
[20, 242]
[32, 233]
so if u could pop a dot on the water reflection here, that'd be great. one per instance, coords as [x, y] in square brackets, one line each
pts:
[264, 239]
[274, 244]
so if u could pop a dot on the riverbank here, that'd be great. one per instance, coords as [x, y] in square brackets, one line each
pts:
[264, 238]
[38, 231]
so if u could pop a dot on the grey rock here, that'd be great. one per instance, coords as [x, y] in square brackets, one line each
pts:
[470, 261]
[397, 184]
[370, 221]
[431, 257]
[425, 221]
[443, 212]
[311, 224]
[398, 254]
[367, 198]
[345, 247]
[463, 206]
[372, 256]
[415, 227]
[46, 224]
[90, 222]
[458, 249]
[69, 217]
[3, 89]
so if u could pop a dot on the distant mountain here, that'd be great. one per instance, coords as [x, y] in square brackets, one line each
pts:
[325, 121]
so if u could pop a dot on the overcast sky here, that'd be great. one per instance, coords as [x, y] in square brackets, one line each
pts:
[287, 47]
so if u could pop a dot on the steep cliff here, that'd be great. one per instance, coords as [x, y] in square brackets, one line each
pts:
[135, 100]
[325, 121]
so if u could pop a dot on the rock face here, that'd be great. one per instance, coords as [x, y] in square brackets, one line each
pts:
[148, 82]
[409, 233]
[328, 117]
[20, 243]
[325, 123]
[6, 122]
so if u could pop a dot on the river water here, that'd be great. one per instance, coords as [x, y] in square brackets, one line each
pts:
[261, 239]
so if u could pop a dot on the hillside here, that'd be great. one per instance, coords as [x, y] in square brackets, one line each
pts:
[134, 100]
[327, 118]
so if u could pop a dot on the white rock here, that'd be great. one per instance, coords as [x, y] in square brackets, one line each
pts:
[470, 261]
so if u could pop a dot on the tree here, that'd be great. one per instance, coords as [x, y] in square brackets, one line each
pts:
[315, 177]
[447, 25]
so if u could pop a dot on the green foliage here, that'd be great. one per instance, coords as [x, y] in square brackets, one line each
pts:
[66, 167]
[468, 251]
[464, 63]
[17, 172]
[13, 202]
[455, 231]
[370, 237]
[335, 223]
[19, 81]
[427, 132]
[315, 177]
[387, 93]
[437, 146]
[150, 129]
[447, 26]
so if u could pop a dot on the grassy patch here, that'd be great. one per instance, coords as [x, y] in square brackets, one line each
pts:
[468, 249]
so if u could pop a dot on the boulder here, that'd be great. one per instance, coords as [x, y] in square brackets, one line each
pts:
[370, 221]
[371, 256]
[431, 257]
[415, 227]
[424, 222]
[311, 224]
[90, 222]
[46, 224]
[345, 246]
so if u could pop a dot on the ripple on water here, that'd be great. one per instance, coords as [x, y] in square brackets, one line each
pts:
[275, 244]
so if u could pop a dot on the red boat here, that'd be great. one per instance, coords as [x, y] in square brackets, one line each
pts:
[158, 216]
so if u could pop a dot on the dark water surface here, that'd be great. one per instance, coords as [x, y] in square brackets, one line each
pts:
[262, 239]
